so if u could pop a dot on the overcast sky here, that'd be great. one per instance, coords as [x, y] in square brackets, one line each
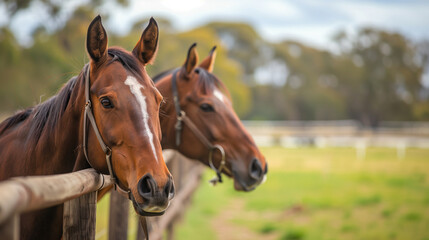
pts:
[310, 21]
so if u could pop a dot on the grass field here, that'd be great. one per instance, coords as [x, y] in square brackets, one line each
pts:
[316, 194]
[320, 194]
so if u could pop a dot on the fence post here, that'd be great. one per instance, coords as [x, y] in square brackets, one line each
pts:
[140, 233]
[9, 230]
[118, 216]
[79, 217]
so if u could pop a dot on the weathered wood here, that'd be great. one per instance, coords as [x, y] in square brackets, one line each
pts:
[174, 168]
[170, 231]
[9, 230]
[79, 217]
[160, 224]
[178, 202]
[118, 217]
[78, 191]
[140, 233]
[30, 193]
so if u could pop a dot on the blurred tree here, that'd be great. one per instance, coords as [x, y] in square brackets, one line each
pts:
[52, 6]
[380, 76]
[376, 75]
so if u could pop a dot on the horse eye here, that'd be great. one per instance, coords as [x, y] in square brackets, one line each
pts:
[106, 103]
[206, 107]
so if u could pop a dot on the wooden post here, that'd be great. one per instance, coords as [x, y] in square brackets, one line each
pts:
[140, 233]
[9, 230]
[118, 219]
[170, 231]
[79, 217]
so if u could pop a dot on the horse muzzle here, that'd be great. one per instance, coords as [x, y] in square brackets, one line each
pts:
[155, 200]
[253, 177]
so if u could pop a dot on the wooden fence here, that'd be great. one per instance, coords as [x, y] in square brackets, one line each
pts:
[78, 192]
[187, 176]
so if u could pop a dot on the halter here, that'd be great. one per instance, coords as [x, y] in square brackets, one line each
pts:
[88, 115]
[182, 118]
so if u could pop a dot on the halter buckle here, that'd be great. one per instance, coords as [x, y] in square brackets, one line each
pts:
[218, 177]
[181, 115]
[108, 151]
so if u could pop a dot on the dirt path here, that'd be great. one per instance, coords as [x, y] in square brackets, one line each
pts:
[226, 229]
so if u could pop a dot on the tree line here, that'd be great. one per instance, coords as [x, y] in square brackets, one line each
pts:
[372, 76]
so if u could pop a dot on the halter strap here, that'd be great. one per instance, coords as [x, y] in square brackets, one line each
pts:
[88, 115]
[182, 118]
[178, 125]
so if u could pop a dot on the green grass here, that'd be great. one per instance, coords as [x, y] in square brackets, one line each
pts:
[319, 194]
[313, 193]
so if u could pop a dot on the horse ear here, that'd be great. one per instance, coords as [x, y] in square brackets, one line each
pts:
[146, 47]
[191, 60]
[96, 40]
[208, 62]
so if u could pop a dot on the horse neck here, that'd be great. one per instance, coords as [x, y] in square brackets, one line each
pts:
[167, 114]
[55, 151]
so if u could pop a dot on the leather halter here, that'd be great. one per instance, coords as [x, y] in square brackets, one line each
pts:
[182, 118]
[88, 115]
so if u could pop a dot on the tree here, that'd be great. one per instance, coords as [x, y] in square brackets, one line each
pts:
[379, 75]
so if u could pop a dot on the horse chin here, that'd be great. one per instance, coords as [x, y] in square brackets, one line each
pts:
[240, 186]
[149, 211]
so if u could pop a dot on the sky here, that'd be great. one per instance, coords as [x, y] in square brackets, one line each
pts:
[312, 22]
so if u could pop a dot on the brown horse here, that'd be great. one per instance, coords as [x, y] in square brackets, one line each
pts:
[107, 118]
[198, 121]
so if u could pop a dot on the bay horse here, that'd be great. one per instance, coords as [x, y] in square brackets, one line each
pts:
[106, 118]
[198, 120]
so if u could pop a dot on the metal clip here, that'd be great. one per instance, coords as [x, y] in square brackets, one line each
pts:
[218, 171]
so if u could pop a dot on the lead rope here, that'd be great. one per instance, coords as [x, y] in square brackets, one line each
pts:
[182, 118]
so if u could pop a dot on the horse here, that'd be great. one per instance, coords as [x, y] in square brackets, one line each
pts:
[198, 121]
[106, 118]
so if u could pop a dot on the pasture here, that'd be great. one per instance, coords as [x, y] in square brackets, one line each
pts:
[314, 193]
[320, 194]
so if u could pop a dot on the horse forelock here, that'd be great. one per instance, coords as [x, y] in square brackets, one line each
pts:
[208, 83]
[128, 61]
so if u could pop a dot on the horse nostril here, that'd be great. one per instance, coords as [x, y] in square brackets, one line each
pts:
[266, 168]
[256, 169]
[169, 189]
[146, 186]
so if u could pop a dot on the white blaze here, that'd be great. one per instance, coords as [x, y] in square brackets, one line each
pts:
[218, 94]
[135, 90]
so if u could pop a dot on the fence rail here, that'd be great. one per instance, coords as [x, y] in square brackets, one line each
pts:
[187, 176]
[345, 133]
[78, 192]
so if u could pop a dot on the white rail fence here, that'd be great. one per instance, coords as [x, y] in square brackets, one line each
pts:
[346, 133]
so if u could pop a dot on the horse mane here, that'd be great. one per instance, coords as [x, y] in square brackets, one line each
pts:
[128, 60]
[47, 114]
[162, 75]
[15, 119]
[208, 82]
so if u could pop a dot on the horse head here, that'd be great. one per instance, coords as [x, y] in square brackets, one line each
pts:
[203, 105]
[125, 105]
